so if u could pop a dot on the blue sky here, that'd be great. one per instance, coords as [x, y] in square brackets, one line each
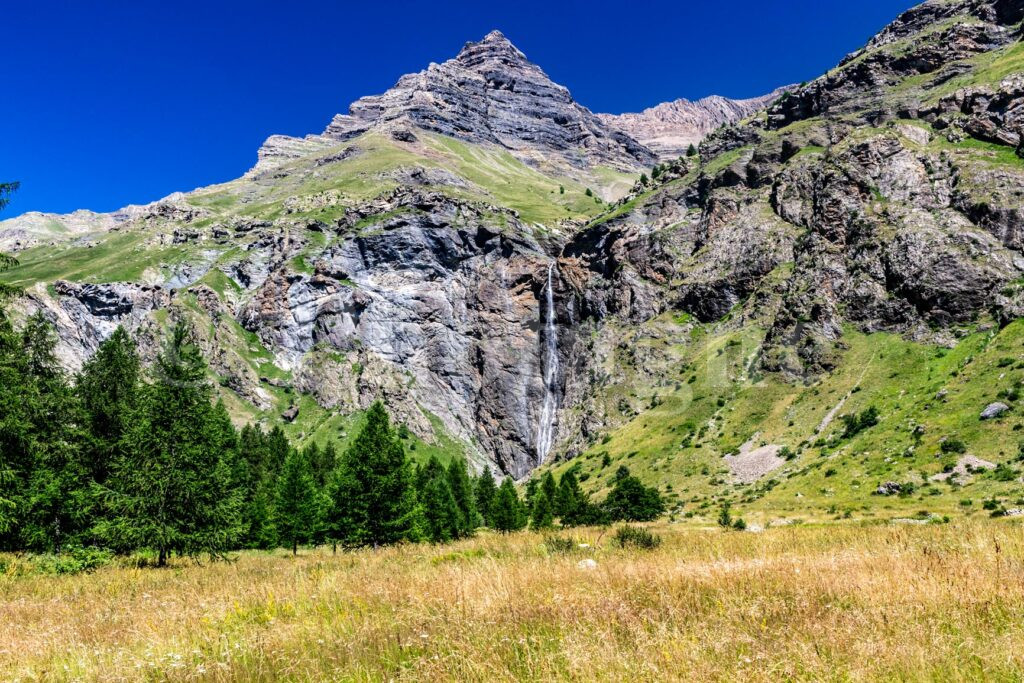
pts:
[111, 103]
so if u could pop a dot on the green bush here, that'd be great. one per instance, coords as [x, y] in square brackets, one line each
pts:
[953, 446]
[559, 545]
[636, 537]
[73, 561]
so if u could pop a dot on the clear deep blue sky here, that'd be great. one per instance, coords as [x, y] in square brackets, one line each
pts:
[111, 103]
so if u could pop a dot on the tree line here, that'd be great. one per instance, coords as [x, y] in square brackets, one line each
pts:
[130, 461]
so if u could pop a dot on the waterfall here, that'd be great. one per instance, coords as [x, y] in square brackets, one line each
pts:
[549, 361]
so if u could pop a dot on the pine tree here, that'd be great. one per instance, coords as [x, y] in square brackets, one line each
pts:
[322, 462]
[507, 510]
[691, 151]
[485, 491]
[372, 499]
[55, 490]
[296, 508]
[549, 487]
[16, 433]
[462, 490]
[542, 516]
[440, 511]
[170, 490]
[569, 496]
[573, 505]
[256, 489]
[531, 492]
[108, 389]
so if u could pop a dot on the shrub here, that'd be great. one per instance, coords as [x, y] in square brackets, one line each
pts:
[1004, 473]
[855, 424]
[636, 537]
[953, 446]
[559, 545]
[73, 561]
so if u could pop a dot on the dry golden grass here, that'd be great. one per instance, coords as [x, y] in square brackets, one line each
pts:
[796, 603]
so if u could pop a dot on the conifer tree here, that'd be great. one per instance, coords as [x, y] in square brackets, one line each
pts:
[569, 495]
[549, 487]
[256, 488]
[531, 492]
[462, 491]
[296, 508]
[573, 505]
[440, 511]
[691, 151]
[55, 489]
[372, 499]
[507, 511]
[15, 428]
[7, 291]
[170, 490]
[542, 516]
[108, 389]
[485, 491]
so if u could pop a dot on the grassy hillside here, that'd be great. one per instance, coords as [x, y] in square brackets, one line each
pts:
[706, 402]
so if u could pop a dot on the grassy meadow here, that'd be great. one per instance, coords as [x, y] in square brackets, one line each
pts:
[800, 602]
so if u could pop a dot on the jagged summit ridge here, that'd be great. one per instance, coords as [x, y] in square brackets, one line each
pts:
[489, 93]
[670, 128]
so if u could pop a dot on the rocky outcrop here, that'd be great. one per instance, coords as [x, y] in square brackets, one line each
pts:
[669, 129]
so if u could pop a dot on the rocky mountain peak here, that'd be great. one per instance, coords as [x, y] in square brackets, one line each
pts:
[494, 47]
[491, 93]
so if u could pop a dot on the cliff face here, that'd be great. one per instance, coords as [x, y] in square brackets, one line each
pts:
[405, 253]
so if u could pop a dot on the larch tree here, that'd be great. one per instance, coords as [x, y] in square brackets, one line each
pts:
[170, 489]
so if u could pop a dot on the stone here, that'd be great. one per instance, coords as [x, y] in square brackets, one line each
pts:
[994, 410]
[889, 488]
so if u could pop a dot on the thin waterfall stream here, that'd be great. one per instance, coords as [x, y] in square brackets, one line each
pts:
[546, 428]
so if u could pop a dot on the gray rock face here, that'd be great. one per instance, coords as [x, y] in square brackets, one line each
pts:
[451, 311]
[669, 129]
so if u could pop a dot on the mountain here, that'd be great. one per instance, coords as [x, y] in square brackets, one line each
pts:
[669, 129]
[818, 306]
[489, 93]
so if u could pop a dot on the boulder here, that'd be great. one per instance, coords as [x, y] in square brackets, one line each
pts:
[993, 410]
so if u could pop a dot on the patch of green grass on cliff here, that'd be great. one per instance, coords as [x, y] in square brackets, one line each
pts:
[511, 183]
[988, 68]
[712, 404]
[115, 257]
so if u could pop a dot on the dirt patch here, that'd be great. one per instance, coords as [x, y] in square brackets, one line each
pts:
[750, 464]
[961, 472]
